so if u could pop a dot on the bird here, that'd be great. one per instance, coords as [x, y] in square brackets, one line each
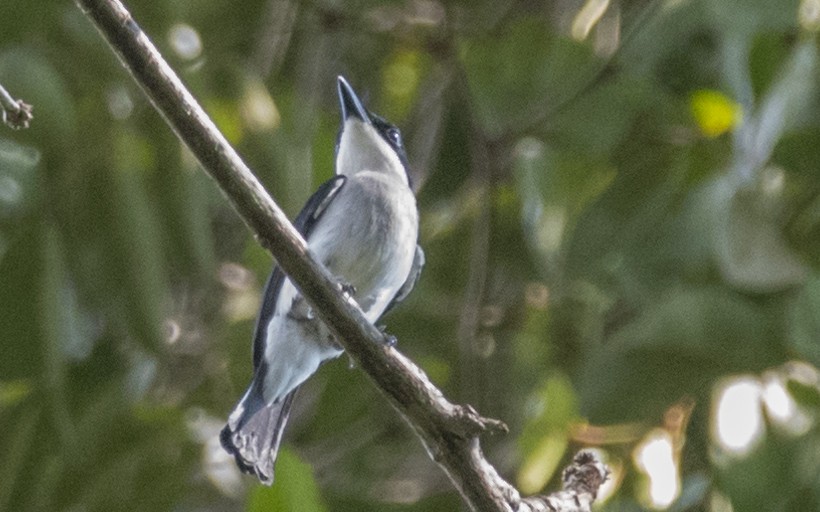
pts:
[362, 224]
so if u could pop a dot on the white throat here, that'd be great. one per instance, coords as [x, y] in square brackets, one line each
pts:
[361, 148]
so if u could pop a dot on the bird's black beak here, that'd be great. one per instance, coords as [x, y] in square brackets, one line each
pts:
[350, 103]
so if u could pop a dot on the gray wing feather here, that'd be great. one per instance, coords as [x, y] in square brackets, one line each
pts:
[304, 224]
[410, 282]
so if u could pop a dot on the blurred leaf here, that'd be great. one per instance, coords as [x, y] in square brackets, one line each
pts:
[557, 69]
[16, 445]
[748, 239]
[804, 321]
[401, 79]
[182, 192]
[798, 151]
[769, 50]
[675, 347]
[19, 181]
[758, 15]
[29, 75]
[714, 113]
[626, 221]
[745, 205]
[227, 119]
[781, 109]
[345, 398]
[295, 488]
[12, 392]
[668, 42]
[101, 408]
[52, 322]
[20, 269]
[555, 186]
[545, 436]
[694, 490]
[133, 254]
[776, 472]
[784, 106]
[553, 407]
[541, 462]
[611, 107]
[805, 395]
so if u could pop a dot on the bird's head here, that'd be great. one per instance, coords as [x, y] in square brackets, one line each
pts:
[367, 141]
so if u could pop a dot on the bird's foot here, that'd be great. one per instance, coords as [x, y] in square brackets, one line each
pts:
[300, 310]
[388, 339]
[348, 290]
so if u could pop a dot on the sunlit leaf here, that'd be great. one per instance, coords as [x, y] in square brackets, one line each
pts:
[714, 113]
[541, 462]
[546, 433]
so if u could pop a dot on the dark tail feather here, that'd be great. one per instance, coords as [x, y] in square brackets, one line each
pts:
[253, 438]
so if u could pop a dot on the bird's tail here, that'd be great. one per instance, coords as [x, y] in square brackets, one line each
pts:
[254, 431]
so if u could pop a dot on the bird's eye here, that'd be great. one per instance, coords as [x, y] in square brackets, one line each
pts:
[394, 136]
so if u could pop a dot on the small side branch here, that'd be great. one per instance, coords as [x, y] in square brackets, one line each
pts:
[448, 431]
[581, 481]
[16, 114]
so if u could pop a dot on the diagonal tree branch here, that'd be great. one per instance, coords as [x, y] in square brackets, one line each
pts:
[449, 431]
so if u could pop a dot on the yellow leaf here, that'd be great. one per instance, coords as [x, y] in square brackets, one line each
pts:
[714, 112]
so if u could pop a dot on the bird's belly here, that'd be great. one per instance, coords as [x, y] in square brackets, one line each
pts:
[367, 240]
[373, 250]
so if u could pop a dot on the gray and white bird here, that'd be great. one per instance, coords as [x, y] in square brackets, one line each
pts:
[362, 224]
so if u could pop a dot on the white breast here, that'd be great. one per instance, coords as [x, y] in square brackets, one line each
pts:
[367, 238]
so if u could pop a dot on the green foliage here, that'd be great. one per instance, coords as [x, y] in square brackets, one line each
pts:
[294, 490]
[617, 218]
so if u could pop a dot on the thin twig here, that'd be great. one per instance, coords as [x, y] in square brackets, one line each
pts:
[16, 113]
[449, 431]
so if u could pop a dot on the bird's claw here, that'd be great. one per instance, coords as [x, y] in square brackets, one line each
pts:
[388, 339]
[347, 289]
[300, 310]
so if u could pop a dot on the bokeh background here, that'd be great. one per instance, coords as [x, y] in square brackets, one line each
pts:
[620, 204]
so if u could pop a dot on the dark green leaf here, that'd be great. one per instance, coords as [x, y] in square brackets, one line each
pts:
[804, 321]
[557, 69]
[676, 347]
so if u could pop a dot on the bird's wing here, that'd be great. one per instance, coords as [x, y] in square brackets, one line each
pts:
[304, 224]
[253, 437]
[410, 282]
